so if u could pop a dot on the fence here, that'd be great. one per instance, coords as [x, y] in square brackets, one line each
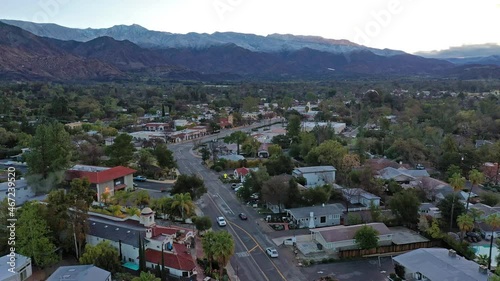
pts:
[345, 254]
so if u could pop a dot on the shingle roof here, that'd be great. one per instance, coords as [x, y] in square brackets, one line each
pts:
[342, 233]
[127, 232]
[80, 273]
[99, 175]
[436, 264]
[303, 212]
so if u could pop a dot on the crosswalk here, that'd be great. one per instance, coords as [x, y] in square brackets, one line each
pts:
[242, 254]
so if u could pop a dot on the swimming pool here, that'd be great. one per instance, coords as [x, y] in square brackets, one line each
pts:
[485, 250]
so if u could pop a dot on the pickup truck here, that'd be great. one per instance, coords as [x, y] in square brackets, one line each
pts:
[140, 178]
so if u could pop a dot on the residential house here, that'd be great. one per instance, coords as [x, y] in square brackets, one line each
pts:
[438, 264]
[480, 143]
[23, 192]
[224, 123]
[241, 173]
[491, 171]
[103, 179]
[338, 128]
[15, 267]
[181, 123]
[483, 227]
[341, 237]
[401, 175]
[316, 216]
[263, 151]
[157, 127]
[74, 125]
[125, 234]
[232, 157]
[360, 197]
[80, 273]
[429, 209]
[316, 175]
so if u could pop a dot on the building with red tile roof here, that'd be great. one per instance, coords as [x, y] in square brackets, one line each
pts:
[103, 179]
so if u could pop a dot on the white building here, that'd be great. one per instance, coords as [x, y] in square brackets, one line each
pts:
[23, 192]
[125, 234]
[360, 196]
[316, 175]
[15, 267]
[181, 123]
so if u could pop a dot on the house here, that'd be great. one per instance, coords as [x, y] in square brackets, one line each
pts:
[80, 273]
[181, 123]
[23, 192]
[232, 157]
[429, 209]
[316, 175]
[157, 126]
[401, 175]
[125, 234]
[15, 267]
[480, 143]
[316, 216]
[74, 125]
[242, 172]
[337, 127]
[103, 179]
[491, 171]
[341, 237]
[263, 151]
[438, 264]
[360, 196]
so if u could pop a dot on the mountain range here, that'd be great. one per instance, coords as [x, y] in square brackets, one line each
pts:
[52, 52]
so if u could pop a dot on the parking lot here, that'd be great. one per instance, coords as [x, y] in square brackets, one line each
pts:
[366, 270]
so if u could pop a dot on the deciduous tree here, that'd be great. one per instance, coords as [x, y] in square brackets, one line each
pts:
[102, 255]
[404, 206]
[121, 151]
[366, 237]
[190, 184]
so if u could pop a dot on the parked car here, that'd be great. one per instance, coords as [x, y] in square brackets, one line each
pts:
[271, 252]
[254, 196]
[243, 216]
[140, 178]
[473, 236]
[221, 221]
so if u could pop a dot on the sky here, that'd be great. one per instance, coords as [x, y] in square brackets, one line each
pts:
[408, 25]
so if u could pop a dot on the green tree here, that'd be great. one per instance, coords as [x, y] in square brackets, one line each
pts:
[50, 155]
[121, 151]
[191, 184]
[80, 197]
[476, 178]
[207, 243]
[238, 137]
[274, 150]
[489, 198]
[102, 255]
[145, 159]
[281, 164]
[366, 237]
[434, 231]
[164, 156]
[405, 206]
[203, 223]
[57, 211]
[33, 236]
[141, 198]
[375, 213]
[275, 190]
[183, 202]
[446, 206]
[330, 152]
[205, 153]
[354, 219]
[457, 182]
[223, 249]
[251, 147]
[293, 127]
[494, 222]
[250, 104]
[146, 276]
[423, 223]
[465, 223]
[6, 212]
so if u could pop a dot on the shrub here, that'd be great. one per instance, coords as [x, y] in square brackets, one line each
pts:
[218, 169]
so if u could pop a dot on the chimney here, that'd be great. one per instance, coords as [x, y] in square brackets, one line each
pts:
[149, 233]
[452, 253]
[483, 269]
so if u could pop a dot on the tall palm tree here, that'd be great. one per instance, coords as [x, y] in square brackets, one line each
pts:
[457, 182]
[184, 202]
[475, 178]
[223, 249]
[494, 222]
[207, 243]
[146, 276]
[465, 223]
[475, 214]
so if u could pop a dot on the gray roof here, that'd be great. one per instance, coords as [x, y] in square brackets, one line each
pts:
[316, 169]
[352, 192]
[391, 173]
[342, 233]
[5, 274]
[416, 173]
[80, 273]
[436, 264]
[426, 206]
[232, 157]
[330, 209]
[18, 184]
[127, 232]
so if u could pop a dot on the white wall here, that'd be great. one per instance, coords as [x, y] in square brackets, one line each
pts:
[350, 244]
[128, 251]
[172, 271]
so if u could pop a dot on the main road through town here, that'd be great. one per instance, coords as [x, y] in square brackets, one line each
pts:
[250, 262]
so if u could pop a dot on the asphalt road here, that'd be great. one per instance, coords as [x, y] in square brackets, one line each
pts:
[249, 261]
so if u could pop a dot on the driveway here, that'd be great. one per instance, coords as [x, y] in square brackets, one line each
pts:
[366, 270]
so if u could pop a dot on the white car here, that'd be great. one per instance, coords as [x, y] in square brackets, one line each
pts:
[221, 221]
[272, 252]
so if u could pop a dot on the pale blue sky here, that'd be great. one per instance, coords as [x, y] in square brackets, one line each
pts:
[408, 25]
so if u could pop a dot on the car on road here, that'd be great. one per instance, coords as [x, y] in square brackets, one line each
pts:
[221, 221]
[243, 216]
[271, 252]
[140, 178]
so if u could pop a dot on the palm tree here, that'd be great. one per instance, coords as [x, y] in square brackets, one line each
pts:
[494, 222]
[475, 178]
[482, 259]
[223, 249]
[184, 202]
[457, 182]
[146, 276]
[475, 214]
[465, 223]
[207, 243]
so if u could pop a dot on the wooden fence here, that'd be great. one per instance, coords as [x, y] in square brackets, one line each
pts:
[345, 254]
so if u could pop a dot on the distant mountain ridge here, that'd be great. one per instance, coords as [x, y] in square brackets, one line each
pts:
[29, 57]
[157, 39]
[468, 54]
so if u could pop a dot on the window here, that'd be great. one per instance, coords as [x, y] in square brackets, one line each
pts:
[185, 274]
[130, 260]
[322, 219]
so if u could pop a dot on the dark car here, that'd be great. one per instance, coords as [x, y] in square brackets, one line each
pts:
[243, 216]
[140, 178]
[473, 236]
